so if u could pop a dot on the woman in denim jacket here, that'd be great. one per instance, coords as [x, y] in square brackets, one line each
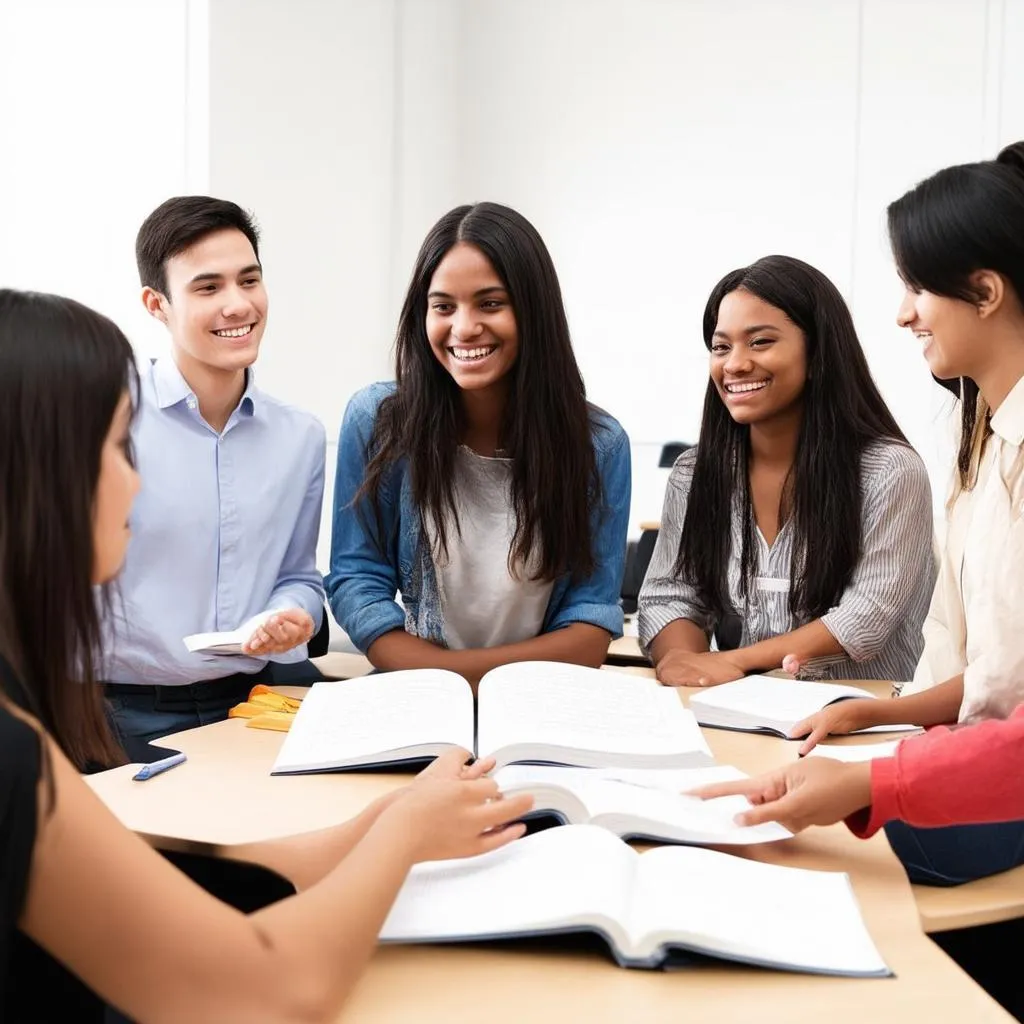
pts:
[481, 485]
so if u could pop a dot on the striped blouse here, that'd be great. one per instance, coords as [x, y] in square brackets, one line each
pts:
[879, 617]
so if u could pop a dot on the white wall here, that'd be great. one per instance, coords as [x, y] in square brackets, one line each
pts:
[659, 144]
[95, 99]
[656, 144]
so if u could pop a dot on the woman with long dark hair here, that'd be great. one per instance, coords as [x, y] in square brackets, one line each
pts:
[958, 241]
[795, 525]
[87, 910]
[481, 485]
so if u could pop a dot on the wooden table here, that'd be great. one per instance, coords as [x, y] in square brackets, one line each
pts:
[224, 803]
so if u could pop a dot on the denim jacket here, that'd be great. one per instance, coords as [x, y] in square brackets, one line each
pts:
[362, 583]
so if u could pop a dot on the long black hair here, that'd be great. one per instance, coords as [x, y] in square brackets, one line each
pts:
[63, 371]
[546, 429]
[842, 413]
[963, 219]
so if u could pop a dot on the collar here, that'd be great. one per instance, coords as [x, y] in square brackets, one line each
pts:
[1008, 420]
[171, 388]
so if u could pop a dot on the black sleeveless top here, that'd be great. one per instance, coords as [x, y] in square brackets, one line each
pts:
[33, 986]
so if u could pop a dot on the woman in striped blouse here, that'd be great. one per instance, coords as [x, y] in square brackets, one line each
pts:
[795, 525]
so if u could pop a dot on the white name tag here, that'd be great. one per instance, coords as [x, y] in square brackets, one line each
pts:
[771, 583]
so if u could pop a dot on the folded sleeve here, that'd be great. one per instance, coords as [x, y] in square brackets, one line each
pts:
[967, 775]
[363, 579]
[595, 600]
[897, 563]
[664, 596]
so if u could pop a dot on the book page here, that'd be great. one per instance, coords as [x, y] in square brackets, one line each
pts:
[356, 720]
[567, 706]
[225, 642]
[851, 754]
[771, 700]
[635, 807]
[558, 877]
[751, 910]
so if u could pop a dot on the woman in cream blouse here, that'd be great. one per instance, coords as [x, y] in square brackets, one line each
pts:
[958, 241]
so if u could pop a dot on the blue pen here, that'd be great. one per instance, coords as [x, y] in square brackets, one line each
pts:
[147, 771]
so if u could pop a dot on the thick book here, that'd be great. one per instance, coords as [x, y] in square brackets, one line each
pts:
[639, 803]
[533, 711]
[654, 909]
[769, 704]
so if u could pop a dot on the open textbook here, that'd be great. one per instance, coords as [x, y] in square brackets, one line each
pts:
[639, 803]
[225, 642]
[534, 711]
[769, 704]
[652, 908]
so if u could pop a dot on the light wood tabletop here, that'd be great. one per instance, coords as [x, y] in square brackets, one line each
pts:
[223, 802]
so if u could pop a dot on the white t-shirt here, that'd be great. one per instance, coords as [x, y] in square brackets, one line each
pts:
[483, 604]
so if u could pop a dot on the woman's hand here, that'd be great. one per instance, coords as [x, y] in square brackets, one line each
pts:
[451, 810]
[842, 717]
[817, 791]
[685, 668]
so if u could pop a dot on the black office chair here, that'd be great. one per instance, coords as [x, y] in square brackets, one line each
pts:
[671, 451]
[322, 638]
[638, 553]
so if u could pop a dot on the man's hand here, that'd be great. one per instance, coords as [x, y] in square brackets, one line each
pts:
[283, 631]
[816, 791]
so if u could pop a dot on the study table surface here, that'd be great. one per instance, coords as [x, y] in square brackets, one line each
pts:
[223, 802]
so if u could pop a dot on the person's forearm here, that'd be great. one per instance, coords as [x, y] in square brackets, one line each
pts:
[934, 706]
[811, 641]
[580, 643]
[679, 635]
[308, 858]
[316, 955]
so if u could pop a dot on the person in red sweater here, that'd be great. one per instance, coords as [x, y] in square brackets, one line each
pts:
[967, 776]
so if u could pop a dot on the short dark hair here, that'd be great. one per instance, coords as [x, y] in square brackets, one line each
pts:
[843, 413]
[63, 370]
[181, 222]
[960, 220]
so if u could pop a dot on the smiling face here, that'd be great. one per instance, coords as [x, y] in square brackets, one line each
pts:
[947, 329]
[471, 325]
[758, 359]
[216, 304]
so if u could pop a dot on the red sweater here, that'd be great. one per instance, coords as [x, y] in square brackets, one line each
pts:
[961, 776]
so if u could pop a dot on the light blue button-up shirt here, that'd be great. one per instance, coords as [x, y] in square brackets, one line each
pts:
[224, 527]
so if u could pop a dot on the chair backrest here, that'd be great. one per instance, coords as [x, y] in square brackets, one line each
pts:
[671, 451]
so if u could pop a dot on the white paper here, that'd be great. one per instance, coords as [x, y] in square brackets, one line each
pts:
[553, 878]
[748, 909]
[651, 802]
[228, 642]
[853, 754]
[776, 704]
[567, 707]
[391, 713]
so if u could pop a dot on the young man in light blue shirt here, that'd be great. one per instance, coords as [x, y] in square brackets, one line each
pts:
[225, 527]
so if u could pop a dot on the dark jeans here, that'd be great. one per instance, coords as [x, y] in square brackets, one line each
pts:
[141, 714]
[957, 853]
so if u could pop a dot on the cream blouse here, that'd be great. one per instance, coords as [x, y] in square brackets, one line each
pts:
[975, 624]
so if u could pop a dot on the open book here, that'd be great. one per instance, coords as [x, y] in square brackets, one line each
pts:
[225, 642]
[639, 803]
[652, 908]
[534, 711]
[769, 704]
